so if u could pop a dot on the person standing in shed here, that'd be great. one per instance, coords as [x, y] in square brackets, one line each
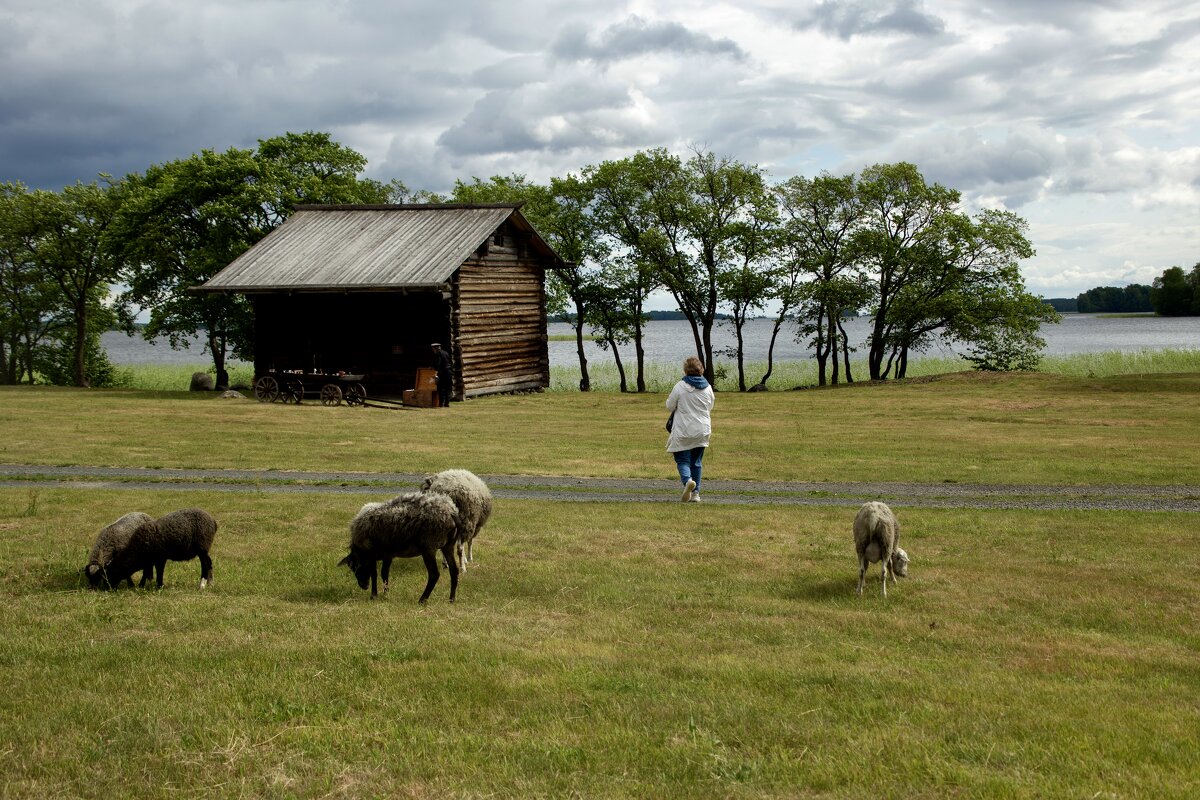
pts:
[690, 404]
[445, 378]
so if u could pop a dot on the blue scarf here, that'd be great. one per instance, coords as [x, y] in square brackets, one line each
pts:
[696, 381]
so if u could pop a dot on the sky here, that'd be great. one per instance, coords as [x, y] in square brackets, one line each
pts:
[1082, 116]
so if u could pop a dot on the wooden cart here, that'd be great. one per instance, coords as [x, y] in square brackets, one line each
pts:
[295, 387]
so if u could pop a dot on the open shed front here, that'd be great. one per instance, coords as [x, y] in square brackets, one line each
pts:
[383, 336]
[364, 290]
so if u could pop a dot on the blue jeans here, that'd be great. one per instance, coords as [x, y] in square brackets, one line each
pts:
[688, 462]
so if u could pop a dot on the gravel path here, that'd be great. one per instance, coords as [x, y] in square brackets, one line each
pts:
[572, 489]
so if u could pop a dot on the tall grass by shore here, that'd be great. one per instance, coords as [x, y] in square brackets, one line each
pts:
[660, 377]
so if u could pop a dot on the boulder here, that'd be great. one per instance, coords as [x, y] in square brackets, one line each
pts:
[201, 382]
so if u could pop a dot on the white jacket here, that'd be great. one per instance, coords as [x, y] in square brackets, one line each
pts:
[693, 421]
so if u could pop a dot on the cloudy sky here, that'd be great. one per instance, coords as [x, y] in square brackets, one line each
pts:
[1083, 116]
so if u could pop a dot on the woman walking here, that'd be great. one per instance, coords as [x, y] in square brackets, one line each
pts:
[690, 404]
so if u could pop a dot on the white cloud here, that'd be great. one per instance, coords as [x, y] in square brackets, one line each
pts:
[1082, 115]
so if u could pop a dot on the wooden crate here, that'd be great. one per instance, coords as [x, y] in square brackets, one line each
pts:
[422, 398]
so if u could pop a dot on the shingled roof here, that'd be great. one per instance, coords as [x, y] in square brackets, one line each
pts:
[369, 247]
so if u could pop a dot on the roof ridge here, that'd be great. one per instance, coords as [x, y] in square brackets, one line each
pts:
[405, 206]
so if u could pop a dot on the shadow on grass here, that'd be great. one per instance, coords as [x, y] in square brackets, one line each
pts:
[61, 580]
[319, 595]
[821, 591]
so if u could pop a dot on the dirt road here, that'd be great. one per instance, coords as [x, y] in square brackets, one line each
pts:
[665, 490]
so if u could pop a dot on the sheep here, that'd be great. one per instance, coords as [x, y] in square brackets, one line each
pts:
[179, 536]
[474, 501]
[139, 542]
[408, 525]
[877, 538]
[108, 562]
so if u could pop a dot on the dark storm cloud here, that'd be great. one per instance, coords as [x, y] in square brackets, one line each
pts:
[848, 18]
[635, 36]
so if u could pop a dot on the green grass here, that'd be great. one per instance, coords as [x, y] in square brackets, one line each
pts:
[964, 427]
[605, 650]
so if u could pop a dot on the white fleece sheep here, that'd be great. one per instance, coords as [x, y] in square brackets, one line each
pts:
[412, 524]
[877, 539]
[474, 502]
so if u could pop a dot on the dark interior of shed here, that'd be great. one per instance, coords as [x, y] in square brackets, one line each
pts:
[384, 336]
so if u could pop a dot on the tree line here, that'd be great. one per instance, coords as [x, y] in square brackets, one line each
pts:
[712, 232]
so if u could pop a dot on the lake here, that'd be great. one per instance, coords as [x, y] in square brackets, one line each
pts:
[671, 341]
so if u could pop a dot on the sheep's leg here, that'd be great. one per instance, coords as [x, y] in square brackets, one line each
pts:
[454, 570]
[883, 577]
[147, 573]
[385, 575]
[161, 568]
[374, 580]
[205, 569]
[430, 559]
[862, 574]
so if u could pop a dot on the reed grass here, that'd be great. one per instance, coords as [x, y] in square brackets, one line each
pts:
[661, 377]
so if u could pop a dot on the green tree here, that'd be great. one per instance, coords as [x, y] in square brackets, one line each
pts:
[311, 167]
[1172, 293]
[186, 220]
[749, 282]
[939, 274]
[622, 218]
[60, 235]
[822, 216]
[31, 313]
[899, 241]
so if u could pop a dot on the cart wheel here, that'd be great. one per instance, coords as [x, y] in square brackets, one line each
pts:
[331, 395]
[356, 394]
[294, 393]
[266, 389]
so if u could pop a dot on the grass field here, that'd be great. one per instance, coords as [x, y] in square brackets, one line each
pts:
[616, 650]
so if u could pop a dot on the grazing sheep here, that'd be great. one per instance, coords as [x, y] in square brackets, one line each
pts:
[107, 562]
[877, 538]
[408, 525]
[138, 542]
[474, 502]
[179, 536]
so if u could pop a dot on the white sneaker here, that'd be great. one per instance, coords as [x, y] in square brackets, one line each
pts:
[687, 490]
[695, 498]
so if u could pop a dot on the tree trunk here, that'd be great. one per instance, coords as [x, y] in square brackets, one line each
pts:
[638, 349]
[845, 350]
[612, 342]
[80, 366]
[738, 322]
[771, 350]
[585, 380]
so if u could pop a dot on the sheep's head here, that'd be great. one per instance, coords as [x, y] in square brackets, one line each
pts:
[362, 570]
[900, 563]
[425, 484]
[95, 575]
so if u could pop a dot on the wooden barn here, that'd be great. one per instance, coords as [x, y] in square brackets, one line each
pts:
[365, 290]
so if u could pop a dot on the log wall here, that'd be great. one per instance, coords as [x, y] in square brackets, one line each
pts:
[499, 319]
